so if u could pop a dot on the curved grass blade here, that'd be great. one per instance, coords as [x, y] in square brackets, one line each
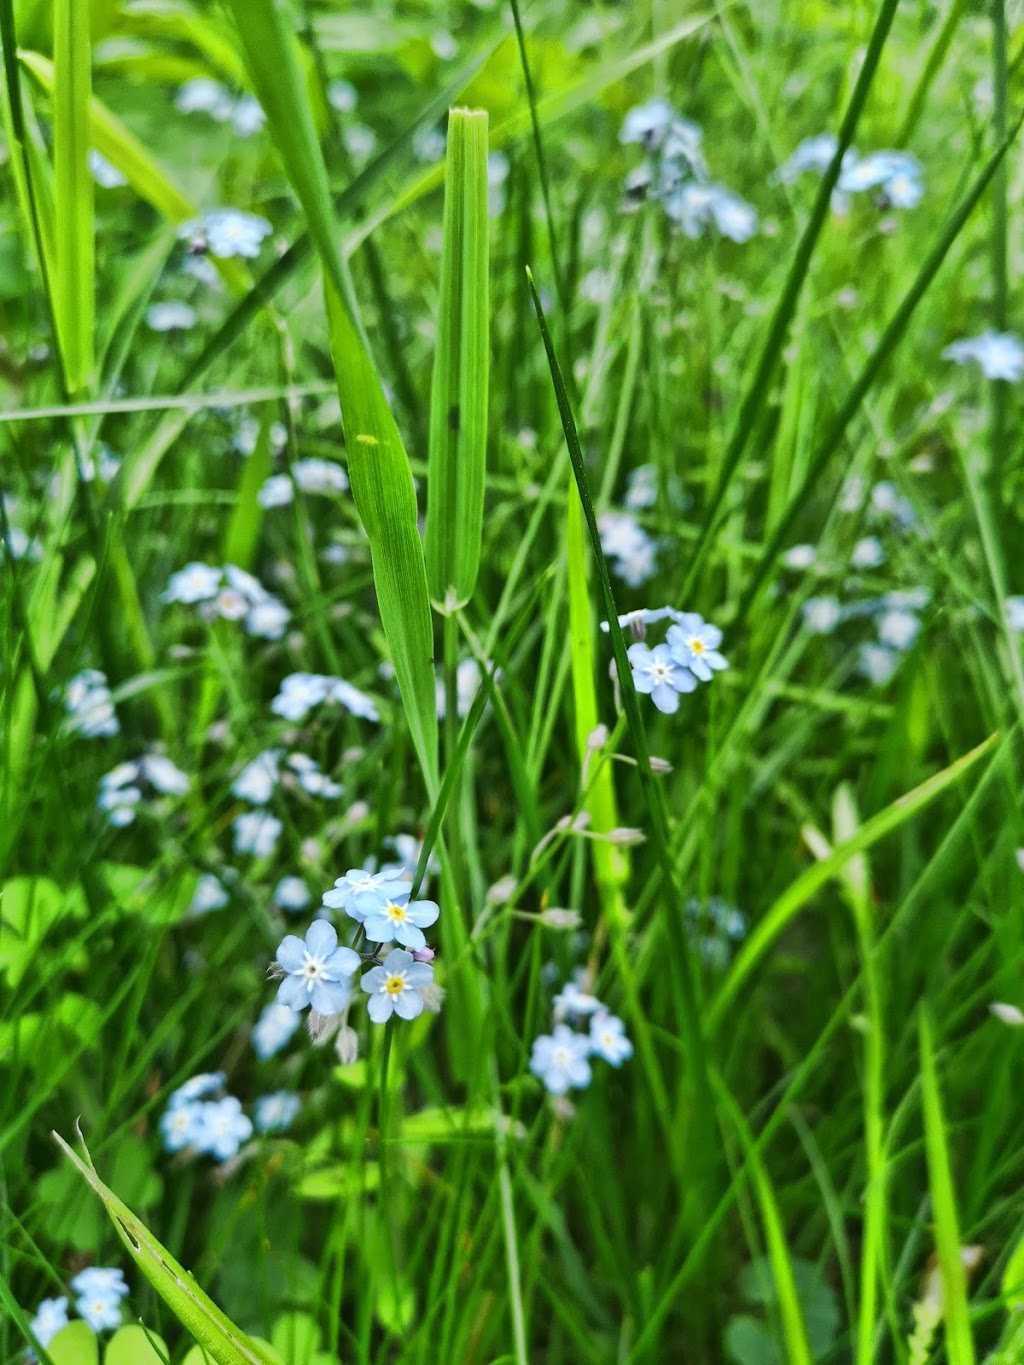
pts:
[458, 396]
[378, 467]
[798, 1349]
[194, 1309]
[796, 896]
[959, 1342]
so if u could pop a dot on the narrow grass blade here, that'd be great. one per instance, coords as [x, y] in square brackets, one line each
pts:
[959, 1342]
[194, 1309]
[798, 1349]
[796, 896]
[74, 286]
[458, 396]
[378, 466]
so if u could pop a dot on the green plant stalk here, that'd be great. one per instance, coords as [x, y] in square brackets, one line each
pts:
[956, 1317]
[457, 463]
[997, 389]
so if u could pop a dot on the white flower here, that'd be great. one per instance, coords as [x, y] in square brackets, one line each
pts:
[257, 832]
[172, 316]
[258, 780]
[821, 614]
[800, 556]
[194, 583]
[1000, 354]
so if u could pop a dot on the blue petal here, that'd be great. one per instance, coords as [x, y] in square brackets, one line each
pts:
[423, 913]
[665, 698]
[343, 962]
[379, 928]
[373, 980]
[293, 992]
[411, 937]
[291, 953]
[380, 1007]
[408, 1005]
[322, 938]
[330, 997]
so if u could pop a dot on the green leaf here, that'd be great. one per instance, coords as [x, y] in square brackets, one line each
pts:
[194, 1309]
[74, 285]
[29, 908]
[959, 1342]
[458, 396]
[748, 1342]
[136, 1346]
[75, 1344]
[796, 896]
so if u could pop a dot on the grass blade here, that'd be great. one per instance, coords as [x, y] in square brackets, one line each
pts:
[796, 896]
[74, 286]
[378, 466]
[959, 1343]
[194, 1309]
[458, 396]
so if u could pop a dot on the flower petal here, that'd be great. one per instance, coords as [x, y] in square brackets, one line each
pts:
[665, 698]
[321, 938]
[419, 974]
[293, 993]
[380, 1007]
[343, 962]
[423, 913]
[379, 928]
[408, 1005]
[397, 961]
[410, 937]
[291, 953]
[374, 979]
[330, 997]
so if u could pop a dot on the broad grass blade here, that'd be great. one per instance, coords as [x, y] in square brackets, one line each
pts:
[378, 466]
[194, 1309]
[959, 1342]
[458, 396]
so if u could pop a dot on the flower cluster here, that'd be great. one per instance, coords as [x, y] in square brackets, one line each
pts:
[203, 1119]
[123, 788]
[561, 1059]
[90, 706]
[230, 593]
[259, 779]
[99, 1291]
[999, 354]
[897, 176]
[310, 476]
[317, 971]
[675, 174]
[226, 233]
[206, 96]
[897, 624]
[688, 656]
[301, 692]
[208, 895]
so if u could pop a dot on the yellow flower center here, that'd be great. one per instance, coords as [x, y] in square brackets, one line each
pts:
[395, 985]
[397, 913]
[697, 645]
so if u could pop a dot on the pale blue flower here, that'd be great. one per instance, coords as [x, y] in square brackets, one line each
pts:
[274, 1028]
[317, 970]
[274, 1113]
[291, 893]
[657, 673]
[248, 116]
[813, 154]
[194, 583]
[867, 553]
[163, 775]
[694, 206]
[1000, 354]
[561, 1060]
[300, 692]
[898, 629]
[800, 556]
[172, 316]
[694, 643]
[277, 491]
[208, 895]
[648, 123]
[100, 1311]
[207, 1083]
[400, 921]
[222, 1127]
[573, 1003]
[897, 174]
[360, 892]
[51, 1316]
[258, 780]
[268, 619]
[205, 96]
[608, 1039]
[821, 614]
[181, 1126]
[106, 175]
[342, 95]
[635, 622]
[307, 773]
[395, 987]
[877, 663]
[90, 706]
[1014, 608]
[360, 141]
[627, 544]
[98, 1279]
[232, 232]
[256, 832]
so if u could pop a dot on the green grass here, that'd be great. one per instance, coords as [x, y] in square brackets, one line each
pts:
[813, 1154]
